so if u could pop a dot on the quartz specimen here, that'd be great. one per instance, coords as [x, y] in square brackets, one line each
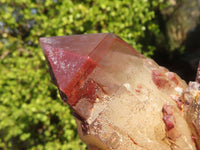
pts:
[121, 100]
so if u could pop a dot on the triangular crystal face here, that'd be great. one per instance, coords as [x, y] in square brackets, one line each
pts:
[72, 58]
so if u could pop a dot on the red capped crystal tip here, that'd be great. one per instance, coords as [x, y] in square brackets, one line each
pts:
[72, 58]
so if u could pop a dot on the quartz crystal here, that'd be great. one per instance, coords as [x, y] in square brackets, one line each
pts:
[122, 100]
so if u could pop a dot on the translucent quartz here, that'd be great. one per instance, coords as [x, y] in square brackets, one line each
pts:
[121, 100]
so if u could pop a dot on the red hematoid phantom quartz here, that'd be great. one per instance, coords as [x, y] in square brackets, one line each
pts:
[122, 100]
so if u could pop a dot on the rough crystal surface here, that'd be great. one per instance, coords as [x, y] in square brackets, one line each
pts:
[121, 100]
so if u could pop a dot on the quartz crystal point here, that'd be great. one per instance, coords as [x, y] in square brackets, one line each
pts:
[122, 100]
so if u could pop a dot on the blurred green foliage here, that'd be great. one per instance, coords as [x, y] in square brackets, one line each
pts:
[32, 115]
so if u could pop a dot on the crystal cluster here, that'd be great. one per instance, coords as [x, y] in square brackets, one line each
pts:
[121, 100]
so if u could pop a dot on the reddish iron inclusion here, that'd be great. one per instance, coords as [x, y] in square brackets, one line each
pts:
[72, 58]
